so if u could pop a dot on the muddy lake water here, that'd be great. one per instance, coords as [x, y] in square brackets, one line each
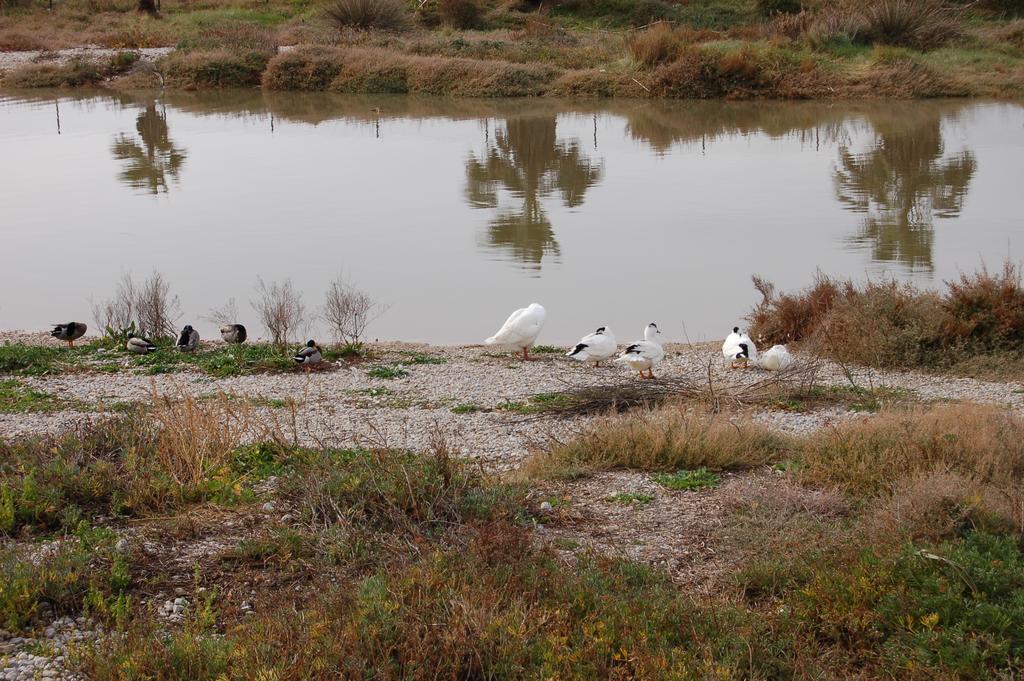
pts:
[455, 212]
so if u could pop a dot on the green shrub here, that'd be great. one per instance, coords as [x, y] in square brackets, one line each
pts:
[687, 480]
[387, 372]
[82, 572]
[954, 612]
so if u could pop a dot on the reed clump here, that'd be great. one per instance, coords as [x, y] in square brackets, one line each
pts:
[366, 14]
[654, 45]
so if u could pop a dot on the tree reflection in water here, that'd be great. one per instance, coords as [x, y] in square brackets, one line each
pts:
[902, 183]
[150, 157]
[527, 160]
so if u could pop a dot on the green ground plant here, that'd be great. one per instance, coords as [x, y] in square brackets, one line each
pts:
[681, 481]
[387, 372]
[15, 398]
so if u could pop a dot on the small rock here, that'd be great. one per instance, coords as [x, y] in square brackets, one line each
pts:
[269, 506]
[545, 507]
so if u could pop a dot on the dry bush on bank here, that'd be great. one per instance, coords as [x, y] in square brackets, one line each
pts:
[889, 324]
[280, 309]
[217, 68]
[349, 310]
[986, 311]
[156, 308]
[304, 68]
[655, 45]
[761, 71]
[150, 307]
[114, 315]
[225, 314]
[921, 24]
[379, 14]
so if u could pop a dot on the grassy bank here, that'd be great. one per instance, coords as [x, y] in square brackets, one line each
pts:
[108, 356]
[886, 546]
[589, 48]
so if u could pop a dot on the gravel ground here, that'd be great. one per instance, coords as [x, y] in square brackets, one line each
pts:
[344, 406]
[11, 60]
[26, 658]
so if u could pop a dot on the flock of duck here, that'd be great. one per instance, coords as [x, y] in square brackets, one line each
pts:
[518, 333]
[521, 329]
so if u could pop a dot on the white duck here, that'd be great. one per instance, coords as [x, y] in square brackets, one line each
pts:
[520, 330]
[643, 355]
[739, 349]
[595, 347]
[777, 358]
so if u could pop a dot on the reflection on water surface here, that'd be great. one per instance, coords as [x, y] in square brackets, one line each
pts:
[527, 160]
[456, 211]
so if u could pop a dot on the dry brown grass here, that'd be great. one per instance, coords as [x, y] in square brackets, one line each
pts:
[666, 439]
[376, 70]
[981, 443]
[654, 45]
[1011, 34]
[13, 40]
[921, 24]
[73, 74]
[594, 83]
[933, 506]
[195, 439]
